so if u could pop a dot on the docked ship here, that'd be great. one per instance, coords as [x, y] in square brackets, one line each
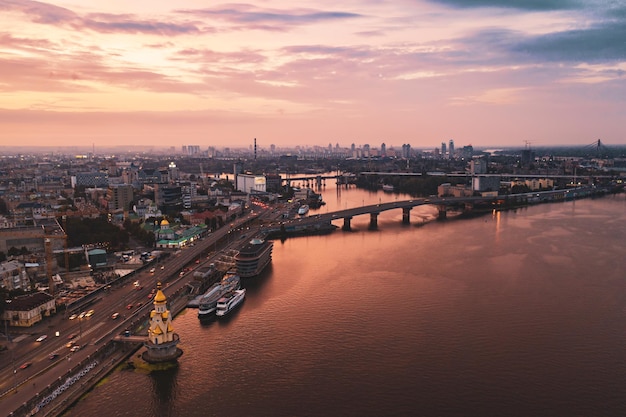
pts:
[254, 257]
[229, 301]
[304, 209]
[208, 302]
[388, 188]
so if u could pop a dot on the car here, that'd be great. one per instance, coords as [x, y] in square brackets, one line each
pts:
[71, 336]
[128, 307]
[53, 356]
[25, 365]
[89, 313]
[139, 304]
[114, 316]
[152, 270]
[70, 344]
[42, 338]
[139, 288]
[75, 348]
[73, 316]
[82, 315]
[162, 267]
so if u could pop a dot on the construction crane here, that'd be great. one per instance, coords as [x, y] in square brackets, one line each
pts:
[49, 253]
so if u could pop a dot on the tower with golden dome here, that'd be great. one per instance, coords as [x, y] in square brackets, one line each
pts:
[162, 342]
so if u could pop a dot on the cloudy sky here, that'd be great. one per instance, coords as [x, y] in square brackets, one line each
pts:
[197, 72]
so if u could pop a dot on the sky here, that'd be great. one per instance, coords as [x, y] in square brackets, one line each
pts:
[421, 72]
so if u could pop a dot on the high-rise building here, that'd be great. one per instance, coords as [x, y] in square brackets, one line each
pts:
[451, 149]
[173, 171]
[119, 197]
[406, 151]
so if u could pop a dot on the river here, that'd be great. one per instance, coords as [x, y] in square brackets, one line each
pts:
[516, 313]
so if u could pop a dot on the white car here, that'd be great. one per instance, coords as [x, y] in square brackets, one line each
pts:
[42, 338]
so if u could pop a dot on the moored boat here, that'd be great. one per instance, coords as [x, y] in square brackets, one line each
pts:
[229, 301]
[208, 303]
[303, 210]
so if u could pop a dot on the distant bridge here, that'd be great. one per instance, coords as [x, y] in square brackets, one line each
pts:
[319, 180]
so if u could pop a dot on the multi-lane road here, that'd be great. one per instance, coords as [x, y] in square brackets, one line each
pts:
[18, 386]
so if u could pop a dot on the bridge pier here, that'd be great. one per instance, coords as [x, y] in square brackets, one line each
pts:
[442, 212]
[318, 181]
[406, 215]
[373, 221]
[346, 224]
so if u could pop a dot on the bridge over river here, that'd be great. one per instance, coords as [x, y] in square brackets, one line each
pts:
[443, 204]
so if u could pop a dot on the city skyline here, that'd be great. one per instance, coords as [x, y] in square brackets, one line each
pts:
[480, 72]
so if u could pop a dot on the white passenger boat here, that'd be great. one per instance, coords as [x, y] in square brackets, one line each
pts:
[208, 302]
[228, 302]
[304, 209]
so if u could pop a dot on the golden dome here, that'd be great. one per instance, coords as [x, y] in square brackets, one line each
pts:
[164, 222]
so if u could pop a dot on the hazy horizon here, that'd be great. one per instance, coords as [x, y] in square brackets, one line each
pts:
[486, 73]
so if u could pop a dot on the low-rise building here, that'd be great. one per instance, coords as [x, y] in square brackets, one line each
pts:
[13, 276]
[28, 310]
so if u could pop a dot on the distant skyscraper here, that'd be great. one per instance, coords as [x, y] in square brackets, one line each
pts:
[451, 149]
[406, 151]
[443, 149]
[173, 171]
[383, 149]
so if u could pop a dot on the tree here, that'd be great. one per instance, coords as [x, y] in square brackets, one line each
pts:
[87, 231]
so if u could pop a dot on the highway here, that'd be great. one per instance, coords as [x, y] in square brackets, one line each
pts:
[18, 386]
